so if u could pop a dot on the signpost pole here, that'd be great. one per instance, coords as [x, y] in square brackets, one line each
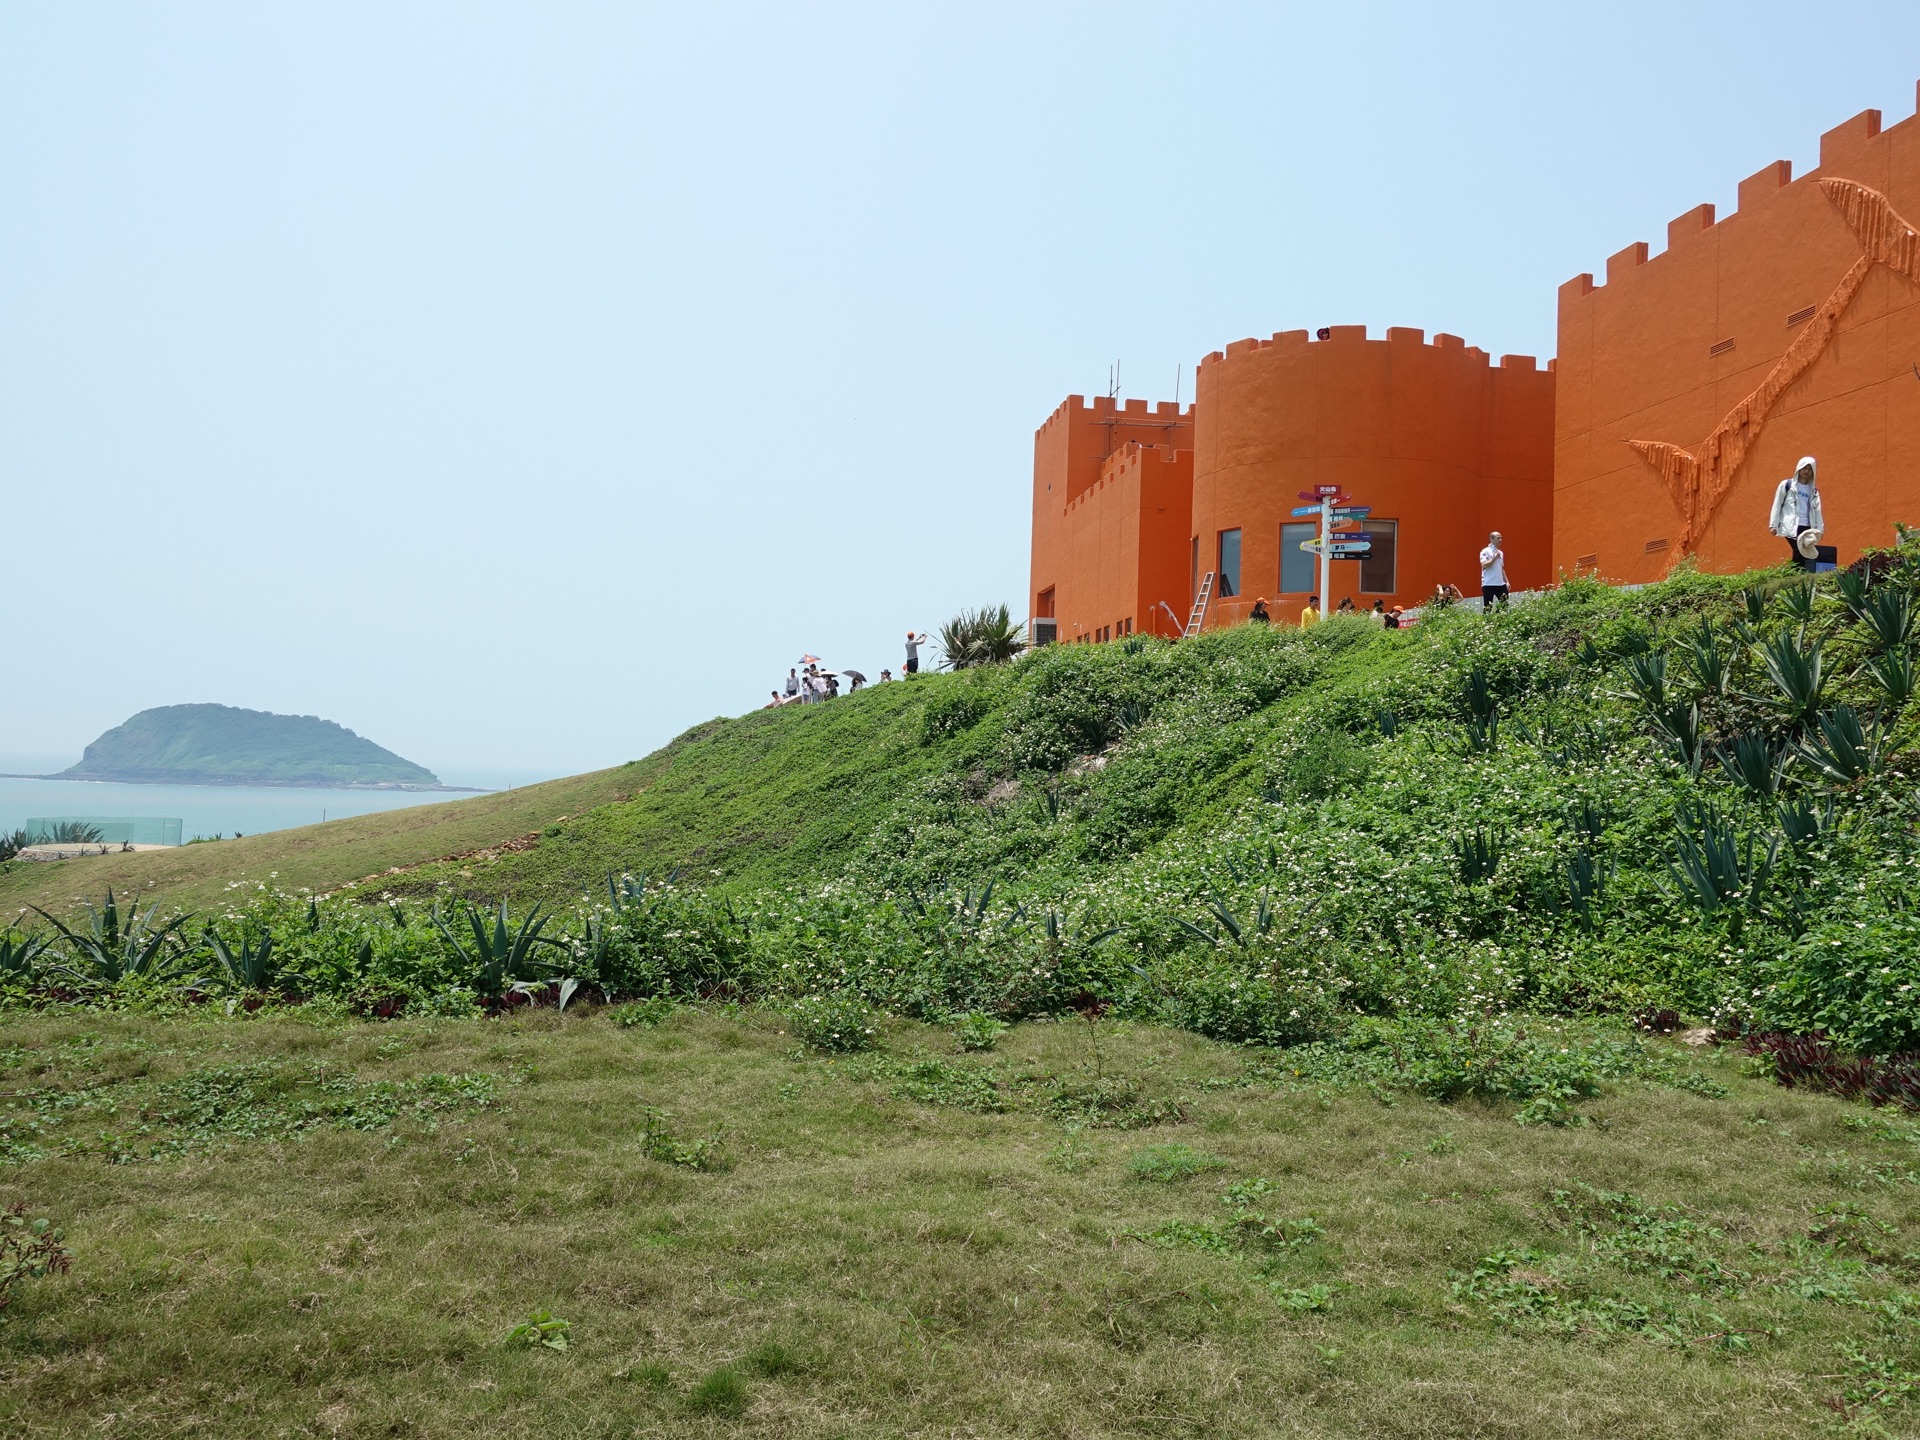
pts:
[1326, 552]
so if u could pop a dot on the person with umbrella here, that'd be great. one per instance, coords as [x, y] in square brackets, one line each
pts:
[855, 680]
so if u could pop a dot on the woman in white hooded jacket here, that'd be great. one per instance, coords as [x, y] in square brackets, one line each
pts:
[1796, 509]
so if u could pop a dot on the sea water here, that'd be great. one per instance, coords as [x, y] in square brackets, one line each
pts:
[202, 809]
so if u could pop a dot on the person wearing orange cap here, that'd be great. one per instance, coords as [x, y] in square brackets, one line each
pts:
[1258, 615]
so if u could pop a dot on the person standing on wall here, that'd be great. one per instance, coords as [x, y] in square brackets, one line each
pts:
[1796, 513]
[1493, 573]
[914, 642]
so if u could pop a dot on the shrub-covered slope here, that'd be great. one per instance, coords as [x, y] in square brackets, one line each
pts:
[1694, 796]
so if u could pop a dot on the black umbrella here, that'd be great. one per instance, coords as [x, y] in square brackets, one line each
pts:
[854, 675]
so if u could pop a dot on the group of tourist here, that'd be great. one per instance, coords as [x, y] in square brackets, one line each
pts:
[815, 683]
[1493, 591]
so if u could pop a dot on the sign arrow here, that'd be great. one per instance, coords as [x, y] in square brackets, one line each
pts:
[1350, 512]
[1348, 552]
[1345, 535]
[1308, 510]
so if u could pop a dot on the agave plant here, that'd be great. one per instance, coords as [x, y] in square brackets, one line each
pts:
[987, 636]
[1802, 822]
[18, 954]
[499, 957]
[1753, 763]
[1647, 675]
[1477, 855]
[1754, 598]
[1795, 672]
[1892, 672]
[1713, 871]
[70, 832]
[12, 844]
[1796, 601]
[110, 953]
[251, 967]
[1708, 660]
[1482, 703]
[1852, 587]
[1588, 820]
[1888, 615]
[1587, 879]
[1679, 726]
[1841, 749]
[1483, 736]
[1224, 927]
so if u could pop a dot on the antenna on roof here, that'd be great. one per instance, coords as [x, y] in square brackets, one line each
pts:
[1113, 381]
[1178, 371]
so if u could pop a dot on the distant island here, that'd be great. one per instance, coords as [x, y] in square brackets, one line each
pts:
[223, 745]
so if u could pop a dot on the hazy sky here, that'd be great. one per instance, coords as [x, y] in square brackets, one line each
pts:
[521, 384]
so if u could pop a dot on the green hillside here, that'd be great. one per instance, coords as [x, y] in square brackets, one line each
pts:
[222, 745]
[1600, 799]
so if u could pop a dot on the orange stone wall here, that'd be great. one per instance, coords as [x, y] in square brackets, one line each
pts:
[1740, 345]
[1112, 488]
[1433, 436]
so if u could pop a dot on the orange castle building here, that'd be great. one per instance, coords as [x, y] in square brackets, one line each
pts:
[1133, 507]
[1685, 389]
[1692, 382]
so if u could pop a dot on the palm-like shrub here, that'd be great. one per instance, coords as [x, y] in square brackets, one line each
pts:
[1892, 671]
[1795, 673]
[497, 957]
[1888, 615]
[1841, 749]
[11, 845]
[988, 636]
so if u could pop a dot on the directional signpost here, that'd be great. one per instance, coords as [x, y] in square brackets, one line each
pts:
[1333, 506]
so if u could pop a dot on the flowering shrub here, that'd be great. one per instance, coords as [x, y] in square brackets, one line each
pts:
[835, 1022]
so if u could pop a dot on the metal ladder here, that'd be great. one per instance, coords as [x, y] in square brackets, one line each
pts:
[1199, 612]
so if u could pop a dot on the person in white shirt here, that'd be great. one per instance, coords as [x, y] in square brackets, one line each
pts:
[1493, 573]
[1796, 512]
[793, 684]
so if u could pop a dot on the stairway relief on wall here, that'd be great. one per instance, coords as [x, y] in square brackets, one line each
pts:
[1698, 479]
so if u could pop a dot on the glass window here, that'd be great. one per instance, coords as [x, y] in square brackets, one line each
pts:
[1193, 581]
[1229, 562]
[1299, 574]
[1379, 566]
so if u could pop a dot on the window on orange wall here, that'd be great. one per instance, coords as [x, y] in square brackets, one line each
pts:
[1296, 565]
[1229, 563]
[1379, 567]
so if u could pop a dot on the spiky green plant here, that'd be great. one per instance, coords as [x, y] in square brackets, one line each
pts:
[1892, 672]
[71, 832]
[1754, 598]
[18, 956]
[1482, 703]
[1707, 659]
[1840, 748]
[1796, 603]
[1802, 821]
[109, 953]
[1888, 615]
[252, 966]
[987, 636]
[1794, 669]
[1587, 879]
[1588, 820]
[1713, 870]
[1647, 675]
[12, 844]
[1753, 763]
[1477, 855]
[1852, 589]
[499, 957]
[1678, 725]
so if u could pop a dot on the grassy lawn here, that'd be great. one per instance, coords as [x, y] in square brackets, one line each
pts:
[344, 1221]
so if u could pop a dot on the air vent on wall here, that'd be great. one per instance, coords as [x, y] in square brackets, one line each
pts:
[1722, 348]
[1654, 546]
[1584, 561]
[1807, 314]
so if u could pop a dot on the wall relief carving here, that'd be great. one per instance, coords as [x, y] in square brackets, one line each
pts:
[1697, 480]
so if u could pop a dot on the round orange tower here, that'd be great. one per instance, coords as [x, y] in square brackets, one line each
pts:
[1443, 445]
